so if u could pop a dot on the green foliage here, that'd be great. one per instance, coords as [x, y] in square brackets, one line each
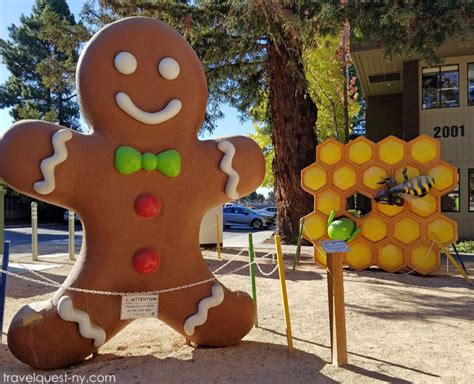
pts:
[263, 138]
[410, 27]
[325, 71]
[254, 197]
[41, 55]
[463, 247]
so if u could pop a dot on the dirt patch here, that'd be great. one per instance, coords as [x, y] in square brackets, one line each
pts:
[400, 328]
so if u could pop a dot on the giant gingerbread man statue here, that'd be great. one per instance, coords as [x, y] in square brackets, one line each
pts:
[141, 183]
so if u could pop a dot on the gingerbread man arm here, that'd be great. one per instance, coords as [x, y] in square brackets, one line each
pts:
[239, 167]
[40, 159]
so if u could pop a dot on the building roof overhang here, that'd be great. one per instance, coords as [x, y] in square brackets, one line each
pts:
[380, 74]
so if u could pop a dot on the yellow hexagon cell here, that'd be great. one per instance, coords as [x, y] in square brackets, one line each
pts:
[443, 230]
[445, 177]
[406, 230]
[389, 210]
[328, 200]
[374, 229]
[391, 150]
[314, 226]
[423, 259]
[372, 176]
[411, 173]
[360, 256]
[314, 177]
[360, 151]
[424, 206]
[330, 152]
[424, 149]
[344, 178]
[390, 257]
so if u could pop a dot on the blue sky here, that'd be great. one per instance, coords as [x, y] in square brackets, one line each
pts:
[10, 12]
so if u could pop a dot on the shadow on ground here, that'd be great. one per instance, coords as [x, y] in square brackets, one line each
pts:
[247, 362]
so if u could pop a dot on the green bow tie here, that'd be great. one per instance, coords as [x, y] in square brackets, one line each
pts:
[128, 160]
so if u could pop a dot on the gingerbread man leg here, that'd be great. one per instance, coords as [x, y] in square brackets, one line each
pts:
[221, 319]
[47, 337]
[60, 333]
[208, 314]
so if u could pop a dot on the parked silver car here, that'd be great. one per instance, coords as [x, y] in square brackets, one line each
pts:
[239, 215]
[268, 211]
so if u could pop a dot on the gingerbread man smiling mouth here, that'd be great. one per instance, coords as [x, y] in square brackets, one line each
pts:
[126, 63]
[141, 182]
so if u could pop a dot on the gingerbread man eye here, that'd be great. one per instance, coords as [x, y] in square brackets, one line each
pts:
[125, 63]
[169, 68]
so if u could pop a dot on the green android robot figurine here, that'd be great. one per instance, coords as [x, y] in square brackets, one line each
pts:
[342, 229]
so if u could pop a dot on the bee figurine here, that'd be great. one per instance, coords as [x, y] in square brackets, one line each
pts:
[417, 187]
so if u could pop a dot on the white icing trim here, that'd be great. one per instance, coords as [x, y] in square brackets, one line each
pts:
[226, 166]
[126, 104]
[48, 165]
[169, 68]
[125, 63]
[67, 312]
[200, 317]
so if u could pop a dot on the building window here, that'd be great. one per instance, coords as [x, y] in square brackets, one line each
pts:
[451, 202]
[470, 84]
[471, 190]
[440, 87]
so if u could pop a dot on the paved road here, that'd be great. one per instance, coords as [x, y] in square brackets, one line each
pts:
[55, 239]
[237, 238]
[51, 239]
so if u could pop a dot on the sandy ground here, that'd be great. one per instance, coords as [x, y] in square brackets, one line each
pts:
[400, 329]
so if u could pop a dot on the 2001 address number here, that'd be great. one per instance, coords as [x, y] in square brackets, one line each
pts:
[448, 131]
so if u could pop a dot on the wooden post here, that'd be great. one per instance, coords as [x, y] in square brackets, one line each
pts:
[71, 222]
[281, 272]
[337, 318]
[34, 230]
[252, 276]
[218, 236]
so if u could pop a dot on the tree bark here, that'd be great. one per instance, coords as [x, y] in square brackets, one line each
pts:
[293, 117]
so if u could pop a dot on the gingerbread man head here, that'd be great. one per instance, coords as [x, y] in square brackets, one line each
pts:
[139, 78]
[141, 183]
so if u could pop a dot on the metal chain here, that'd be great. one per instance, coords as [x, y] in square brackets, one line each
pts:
[260, 269]
[52, 283]
[24, 266]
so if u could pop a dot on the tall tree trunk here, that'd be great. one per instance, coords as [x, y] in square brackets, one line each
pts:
[293, 117]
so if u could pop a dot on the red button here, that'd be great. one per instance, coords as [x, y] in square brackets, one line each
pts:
[147, 205]
[146, 261]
